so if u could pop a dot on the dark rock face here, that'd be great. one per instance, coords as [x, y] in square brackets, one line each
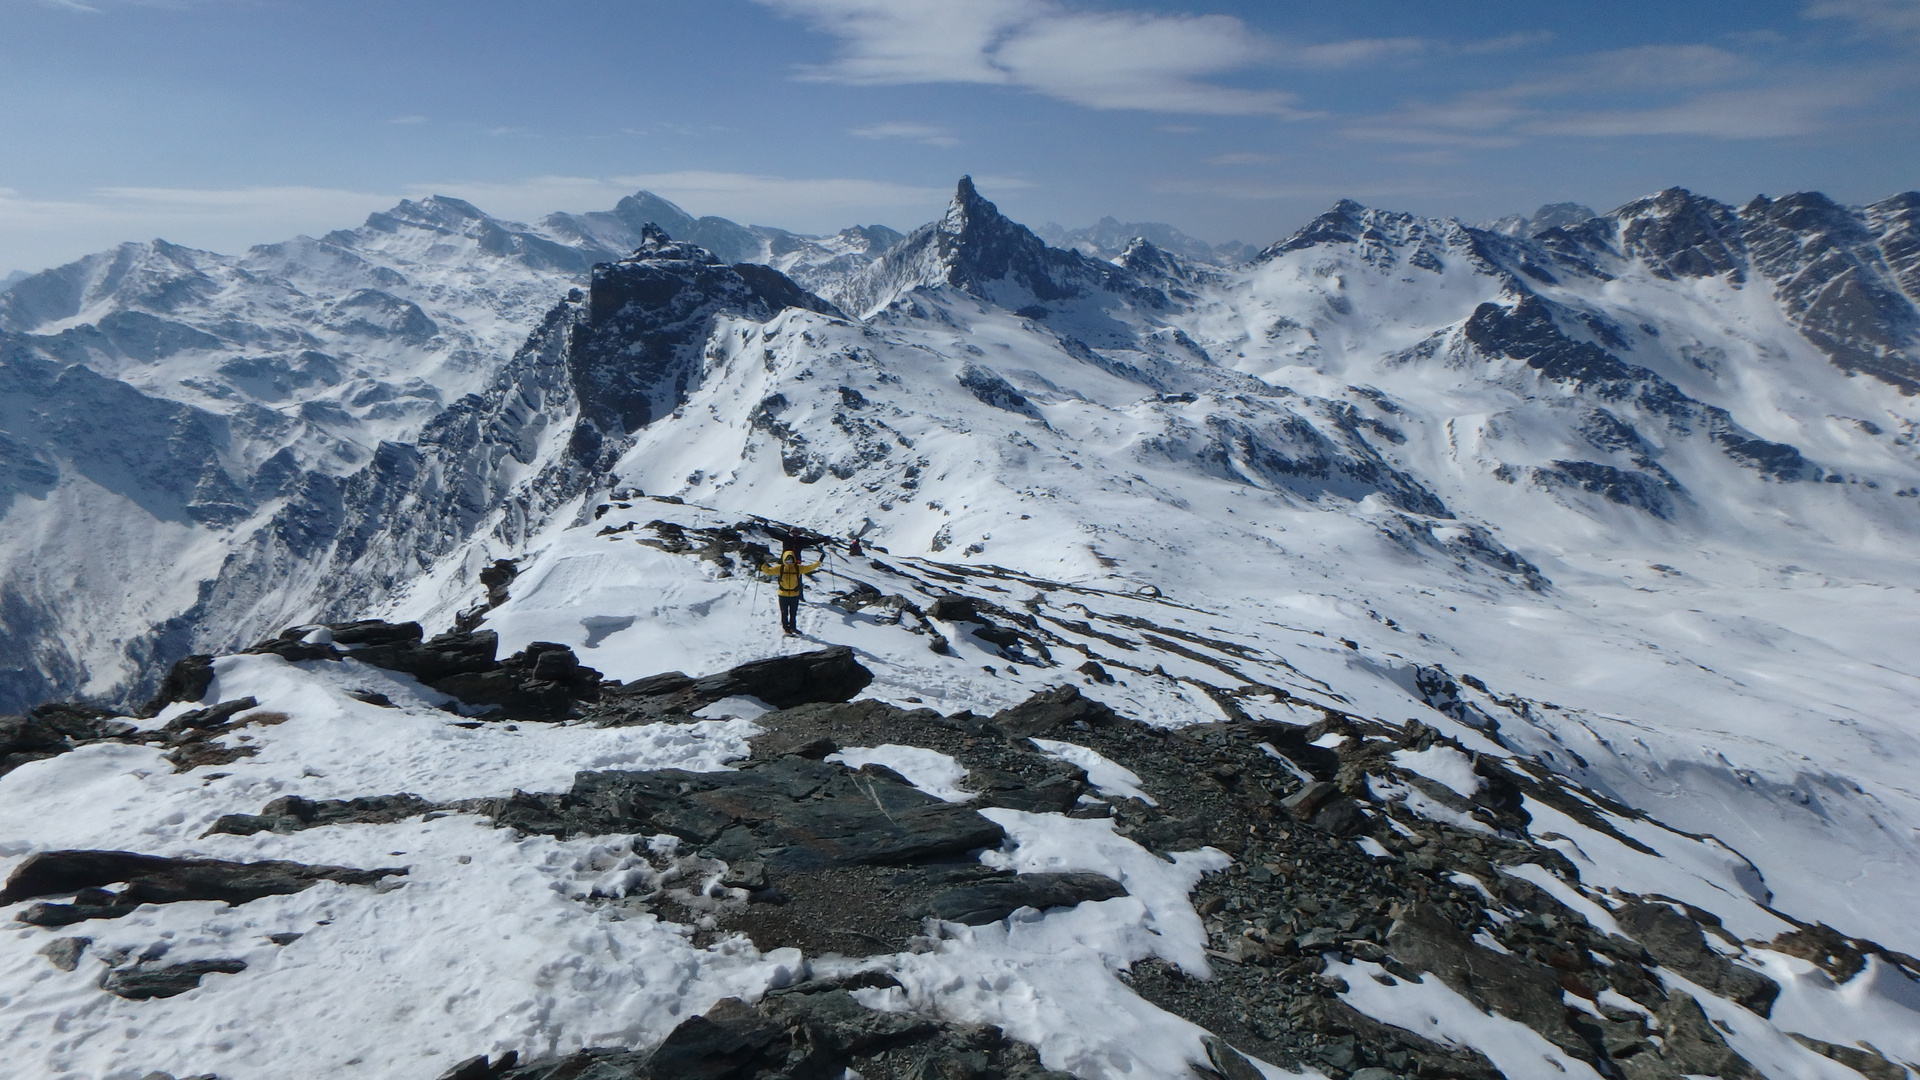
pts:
[792, 812]
[827, 675]
[993, 900]
[1679, 235]
[1427, 941]
[1051, 710]
[291, 813]
[53, 729]
[187, 680]
[989, 388]
[154, 879]
[1532, 331]
[813, 1031]
[544, 681]
[640, 347]
[1678, 942]
[141, 982]
[1837, 283]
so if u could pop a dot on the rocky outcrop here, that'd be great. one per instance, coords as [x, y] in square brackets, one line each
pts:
[53, 729]
[811, 1031]
[791, 813]
[826, 675]
[155, 879]
[543, 681]
[638, 346]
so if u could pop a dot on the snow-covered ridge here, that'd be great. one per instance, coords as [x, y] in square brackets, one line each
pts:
[1345, 861]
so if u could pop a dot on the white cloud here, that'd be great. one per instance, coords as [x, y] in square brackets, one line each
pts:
[1650, 90]
[1241, 158]
[1872, 16]
[1340, 54]
[1762, 113]
[412, 119]
[924, 133]
[1506, 43]
[1099, 59]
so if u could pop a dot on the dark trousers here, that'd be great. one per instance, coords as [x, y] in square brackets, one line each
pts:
[790, 614]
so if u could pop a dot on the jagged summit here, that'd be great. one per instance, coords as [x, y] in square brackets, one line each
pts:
[976, 249]
[656, 246]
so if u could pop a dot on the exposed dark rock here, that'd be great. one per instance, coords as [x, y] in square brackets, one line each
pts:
[139, 982]
[1050, 710]
[793, 812]
[952, 608]
[637, 351]
[155, 879]
[376, 632]
[53, 729]
[993, 900]
[1424, 940]
[64, 953]
[187, 680]
[1691, 1045]
[1677, 942]
[291, 813]
[1867, 1063]
[210, 718]
[826, 675]
[813, 1031]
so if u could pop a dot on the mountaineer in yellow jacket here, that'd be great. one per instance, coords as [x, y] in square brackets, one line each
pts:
[793, 585]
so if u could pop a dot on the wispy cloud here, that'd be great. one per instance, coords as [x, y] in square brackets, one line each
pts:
[1757, 113]
[1650, 90]
[922, 133]
[1872, 16]
[1241, 158]
[414, 119]
[1524, 39]
[1099, 59]
[1342, 54]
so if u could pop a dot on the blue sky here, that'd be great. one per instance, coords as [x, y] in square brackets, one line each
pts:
[222, 123]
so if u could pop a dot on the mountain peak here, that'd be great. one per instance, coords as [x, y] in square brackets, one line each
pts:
[657, 246]
[967, 209]
[1680, 234]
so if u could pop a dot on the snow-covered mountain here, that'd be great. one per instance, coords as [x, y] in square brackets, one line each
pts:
[1109, 237]
[1530, 615]
[1551, 216]
[263, 404]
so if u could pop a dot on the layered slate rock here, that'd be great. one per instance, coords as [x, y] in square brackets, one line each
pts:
[50, 730]
[291, 813]
[995, 899]
[795, 813]
[812, 1031]
[544, 681]
[156, 879]
[826, 675]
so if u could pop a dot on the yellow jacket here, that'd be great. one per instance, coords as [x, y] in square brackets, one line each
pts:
[789, 574]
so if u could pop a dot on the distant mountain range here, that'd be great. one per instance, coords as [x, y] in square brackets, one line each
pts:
[1407, 649]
